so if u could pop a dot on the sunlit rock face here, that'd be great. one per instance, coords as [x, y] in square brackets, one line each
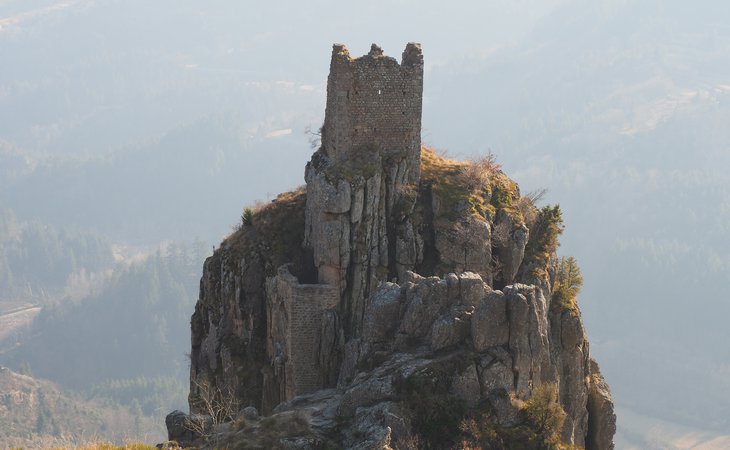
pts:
[392, 265]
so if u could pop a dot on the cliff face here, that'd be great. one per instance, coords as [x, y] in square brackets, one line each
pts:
[395, 276]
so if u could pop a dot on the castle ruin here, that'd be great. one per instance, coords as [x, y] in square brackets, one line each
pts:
[374, 105]
[296, 313]
[373, 115]
[392, 276]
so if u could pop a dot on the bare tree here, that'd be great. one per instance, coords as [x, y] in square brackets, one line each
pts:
[314, 137]
[527, 206]
[215, 405]
[501, 233]
[536, 195]
[477, 173]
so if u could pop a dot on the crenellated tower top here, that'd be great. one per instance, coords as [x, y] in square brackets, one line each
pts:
[374, 104]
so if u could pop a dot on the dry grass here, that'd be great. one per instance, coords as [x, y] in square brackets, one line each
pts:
[61, 443]
[527, 206]
[446, 177]
[480, 171]
[276, 230]
[110, 446]
[267, 432]
[434, 166]
[408, 442]
[475, 187]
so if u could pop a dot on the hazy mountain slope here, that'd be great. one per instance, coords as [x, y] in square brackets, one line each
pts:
[123, 345]
[163, 189]
[648, 433]
[41, 263]
[136, 325]
[15, 317]
[37, 414]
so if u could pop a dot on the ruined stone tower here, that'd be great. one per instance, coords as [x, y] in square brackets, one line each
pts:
[362, 184]
[365, 175]
[370, 153]
[374, 105]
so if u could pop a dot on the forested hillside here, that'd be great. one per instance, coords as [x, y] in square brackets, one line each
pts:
[136, 325]
[40, 262]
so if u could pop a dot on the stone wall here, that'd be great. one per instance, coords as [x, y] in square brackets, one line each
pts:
[361, 183]
[374, 105]
[296, 320]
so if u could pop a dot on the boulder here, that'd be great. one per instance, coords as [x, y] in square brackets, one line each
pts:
[382, 313]
[490, 324]
[495, 371]
[451, 328]
[178, 427]
[472, 288]
[249, 413]
[466, 386]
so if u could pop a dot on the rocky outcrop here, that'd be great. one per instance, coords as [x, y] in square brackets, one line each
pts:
[178, 428]
[601, 418]
[484, 343]
[466, 245]
[229, 328]
[510, 238]
[481, 353]
[396, 277]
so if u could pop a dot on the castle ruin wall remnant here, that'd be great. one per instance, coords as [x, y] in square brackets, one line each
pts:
[295, 320]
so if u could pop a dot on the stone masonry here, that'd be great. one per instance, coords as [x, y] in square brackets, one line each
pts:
[295, 320]
[362, 180]
[374, 104]
[373, 115]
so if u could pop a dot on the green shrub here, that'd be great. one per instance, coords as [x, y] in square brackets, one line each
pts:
[544, 413]
[567, 284]
[539, 425]
[543, 240]
[434, 412]
[247, 217]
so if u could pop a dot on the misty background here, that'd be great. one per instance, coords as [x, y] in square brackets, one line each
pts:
[133, 133]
